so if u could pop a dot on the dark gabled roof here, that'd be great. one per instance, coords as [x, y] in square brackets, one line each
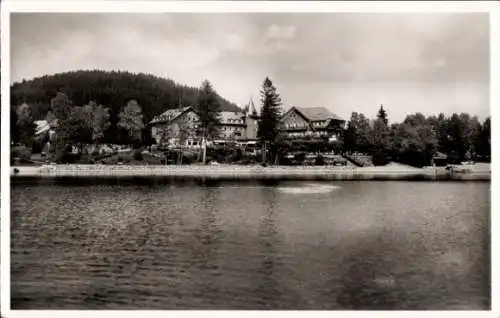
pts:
[316, 113]
[169, 115]
[440, 155]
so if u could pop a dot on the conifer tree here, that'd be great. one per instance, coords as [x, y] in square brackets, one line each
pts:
[270, 114]
[208, 110]
[382, 115]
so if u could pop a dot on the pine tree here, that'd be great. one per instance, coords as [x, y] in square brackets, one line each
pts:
[349, 138]
[382, 115]
[379, 138]
[208, 110]
[270, 114]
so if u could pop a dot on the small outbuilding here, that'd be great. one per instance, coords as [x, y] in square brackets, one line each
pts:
[440, 159]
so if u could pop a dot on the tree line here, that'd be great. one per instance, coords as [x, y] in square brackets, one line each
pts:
[76, 126]
[418, 138]
[413, 141]
[113, 89]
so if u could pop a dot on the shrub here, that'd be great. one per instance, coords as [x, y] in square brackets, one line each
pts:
[20, 152]
[380, 159]
[138, 155]
[136, 144]
[299, 158]
[319, 161]
[284, 161]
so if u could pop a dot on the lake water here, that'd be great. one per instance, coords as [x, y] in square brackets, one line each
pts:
[228, 245]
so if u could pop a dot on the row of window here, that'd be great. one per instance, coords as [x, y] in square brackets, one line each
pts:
[236, 134]
[294, 125]
[308, 133]
[318, 123]
[302, 125]
[235, 121]
[232, 128]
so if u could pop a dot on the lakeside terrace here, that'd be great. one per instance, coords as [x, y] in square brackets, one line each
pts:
[393, 171]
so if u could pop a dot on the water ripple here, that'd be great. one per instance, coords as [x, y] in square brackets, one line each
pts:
[255, 247]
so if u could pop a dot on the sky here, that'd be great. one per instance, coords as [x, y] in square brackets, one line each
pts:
[346, 62]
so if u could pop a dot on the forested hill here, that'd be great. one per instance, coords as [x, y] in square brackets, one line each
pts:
[111, 89]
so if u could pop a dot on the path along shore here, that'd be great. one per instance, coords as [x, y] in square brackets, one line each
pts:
[478, 172]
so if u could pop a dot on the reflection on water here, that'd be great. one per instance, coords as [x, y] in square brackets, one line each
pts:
[269, 243]
[366, 245]
[308, 188]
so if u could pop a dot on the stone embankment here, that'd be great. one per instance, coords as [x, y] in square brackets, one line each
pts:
[390, 172]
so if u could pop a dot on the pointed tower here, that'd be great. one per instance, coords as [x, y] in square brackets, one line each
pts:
[251, 120]
[246, 109]
[252, 110]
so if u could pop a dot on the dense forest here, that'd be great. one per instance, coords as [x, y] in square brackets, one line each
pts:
[113, 90]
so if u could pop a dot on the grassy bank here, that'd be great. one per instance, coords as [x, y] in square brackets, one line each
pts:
[235, 172]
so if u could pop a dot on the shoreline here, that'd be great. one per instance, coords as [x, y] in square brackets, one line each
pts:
[235, 172]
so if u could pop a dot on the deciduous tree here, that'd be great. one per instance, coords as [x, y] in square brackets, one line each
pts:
[25, 125]
[131, 120]
[98, 117]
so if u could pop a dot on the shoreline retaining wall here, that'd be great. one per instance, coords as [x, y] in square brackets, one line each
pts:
[223, 172]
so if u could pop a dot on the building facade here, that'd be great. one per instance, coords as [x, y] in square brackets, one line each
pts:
[176, 126]
[181, 126]
[232, 125]
[313, 122]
